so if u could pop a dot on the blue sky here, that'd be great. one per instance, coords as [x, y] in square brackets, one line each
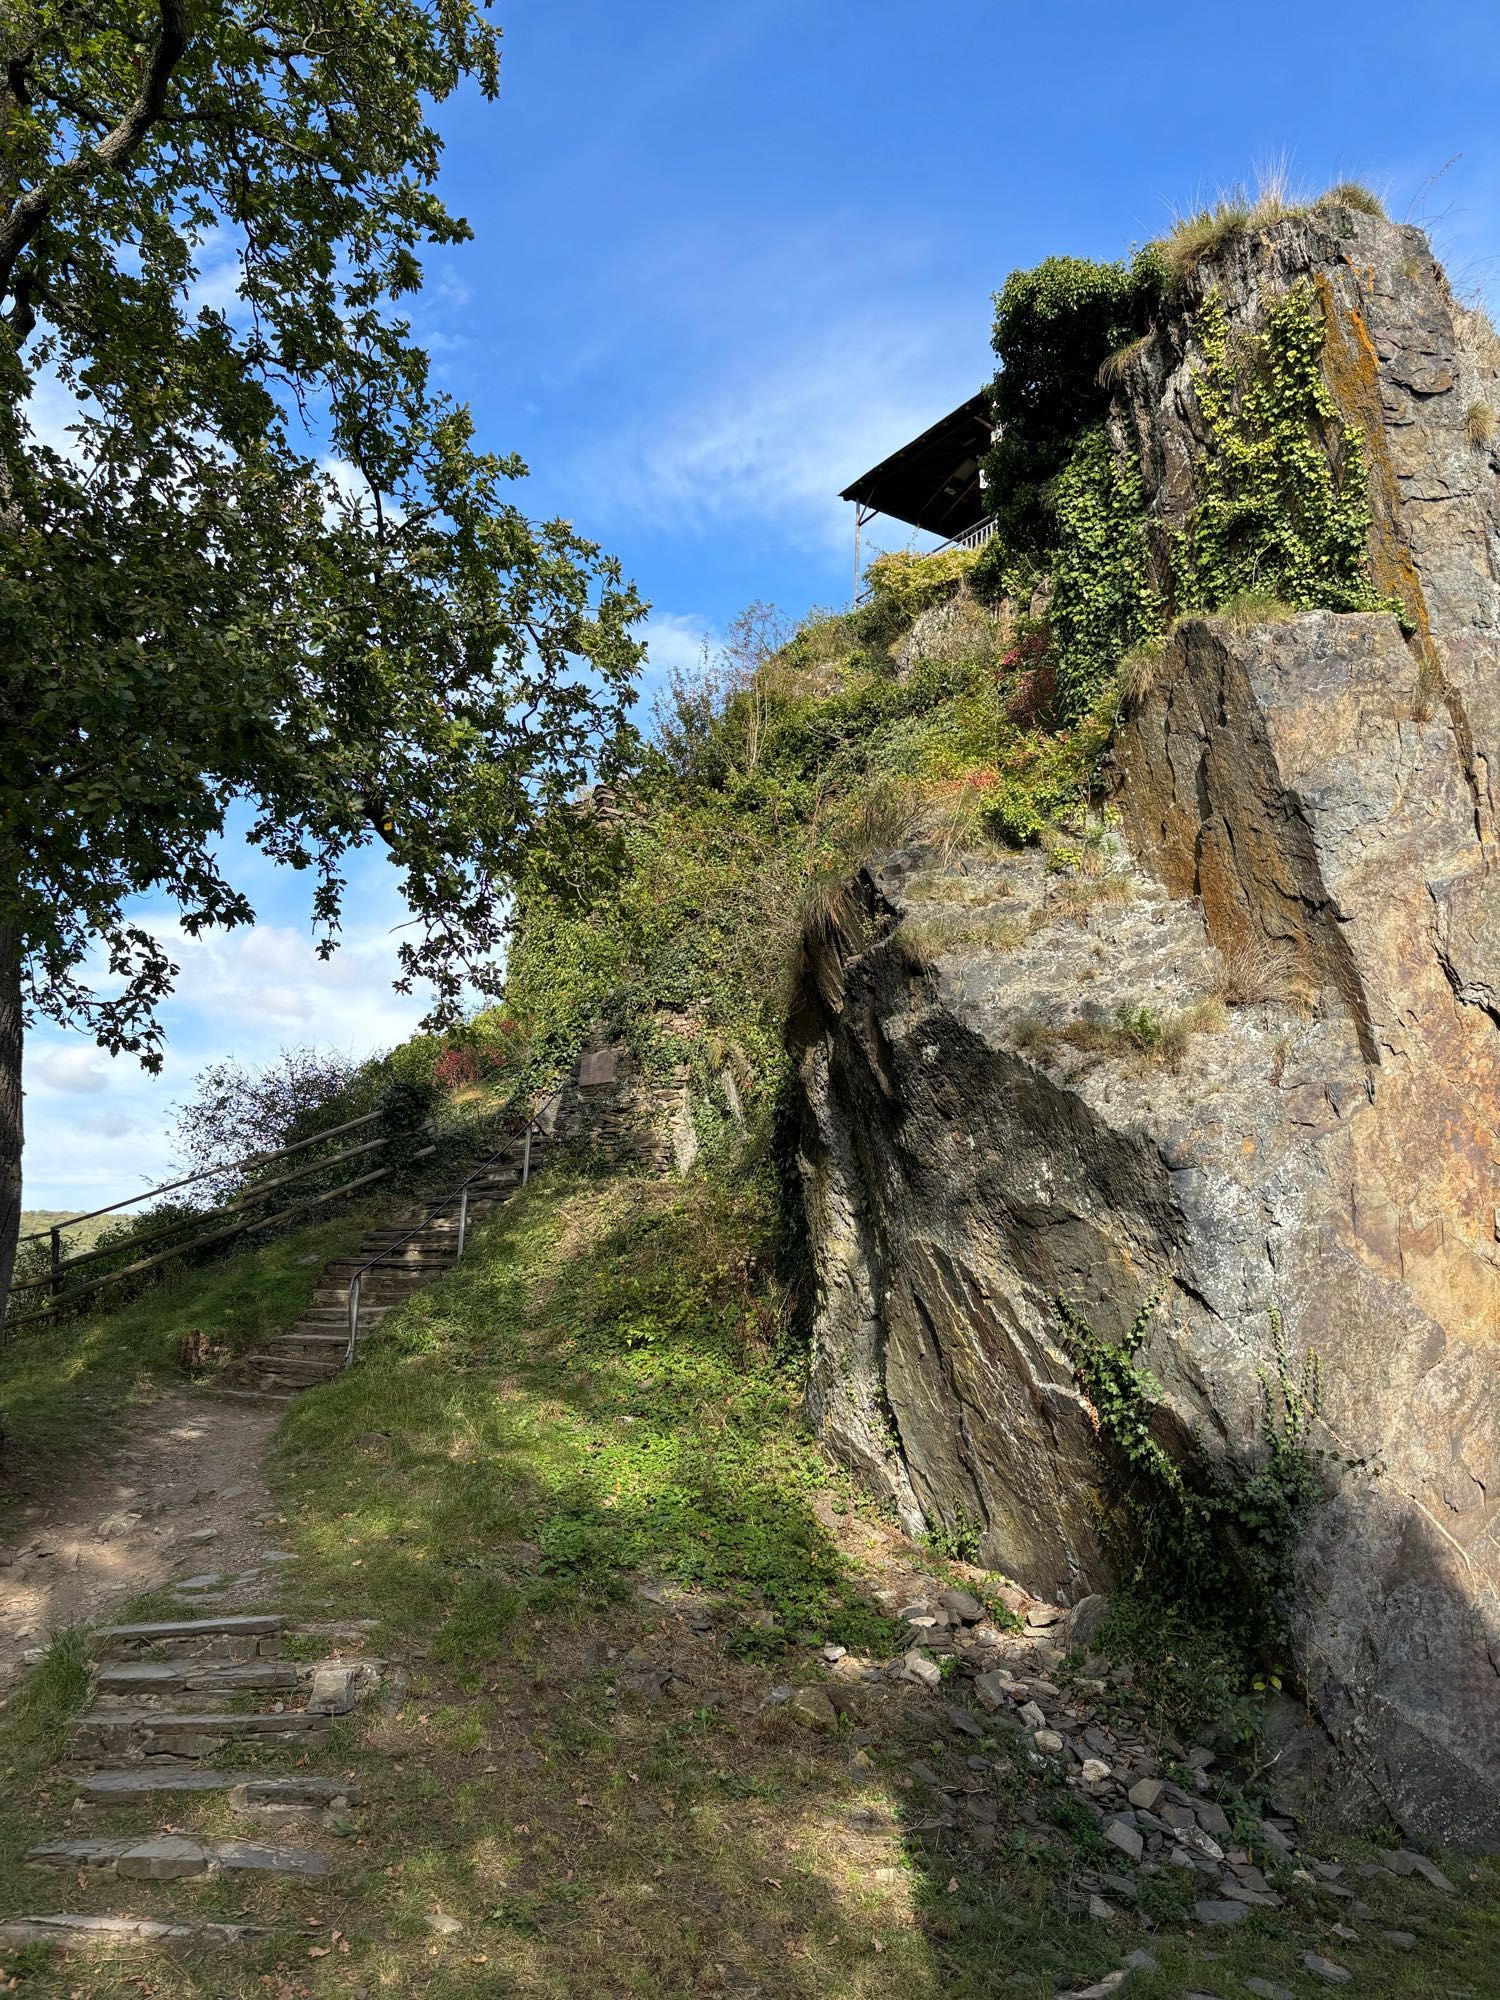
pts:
[726, 258]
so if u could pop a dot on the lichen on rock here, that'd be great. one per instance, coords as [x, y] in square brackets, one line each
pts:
[1019, 1086]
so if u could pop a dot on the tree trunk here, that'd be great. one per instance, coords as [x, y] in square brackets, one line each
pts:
[11, 1126]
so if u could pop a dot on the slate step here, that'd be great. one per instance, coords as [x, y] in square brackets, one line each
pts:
[199, 1676]
[172, 1857]
[246, 1788]
[290, 1367]
[135, 1734]
[61, 1927]
[259, 1630]
[228, 1395]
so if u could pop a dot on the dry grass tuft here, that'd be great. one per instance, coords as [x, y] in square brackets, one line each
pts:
[1352, 194]
[927, 938]
[1139, 670]
[1256, 971]
[1479, 425]
[1081, 894]
[1114, 367]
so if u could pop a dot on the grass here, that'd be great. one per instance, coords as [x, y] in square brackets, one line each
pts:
[1144, 1037]
[1235, 212]
[58, 1387]
[603, 1389]
[1479, 424]
[1256, 971]
[606, 1392]
[52, 1694]
[928, 937]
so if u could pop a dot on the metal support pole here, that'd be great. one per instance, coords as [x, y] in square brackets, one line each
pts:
[526, 1159]
[353, 1318]
[463, 1222]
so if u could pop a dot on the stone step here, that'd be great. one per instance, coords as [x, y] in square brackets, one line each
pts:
[224, 1394]
[313, 1339]
[135, 1734]
[397, 1265]
[291, 1367]
[206, 1676]
[246, 1788]
[184, 1636]
[334, 1320]
[79, 1931]
[172, 1857]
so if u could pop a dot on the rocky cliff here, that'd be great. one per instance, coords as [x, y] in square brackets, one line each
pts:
[1022, 1083]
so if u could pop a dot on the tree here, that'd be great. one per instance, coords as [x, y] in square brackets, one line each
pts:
[267, 567]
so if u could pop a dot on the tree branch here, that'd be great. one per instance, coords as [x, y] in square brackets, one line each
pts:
[113, 150]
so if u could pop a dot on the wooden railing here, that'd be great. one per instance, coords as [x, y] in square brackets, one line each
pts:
[206, 1228]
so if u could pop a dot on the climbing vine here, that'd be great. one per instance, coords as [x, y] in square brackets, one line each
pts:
[1283, 510]
[1218, 1545]
[1102, 602]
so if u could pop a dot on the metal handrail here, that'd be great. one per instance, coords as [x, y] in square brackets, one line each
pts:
[460, 1194]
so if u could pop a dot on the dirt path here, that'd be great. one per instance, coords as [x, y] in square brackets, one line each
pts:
[182, 1496]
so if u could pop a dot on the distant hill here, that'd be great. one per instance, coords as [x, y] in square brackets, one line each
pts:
[83, 1237]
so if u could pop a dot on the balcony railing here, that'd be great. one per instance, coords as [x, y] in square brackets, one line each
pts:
[971, 538]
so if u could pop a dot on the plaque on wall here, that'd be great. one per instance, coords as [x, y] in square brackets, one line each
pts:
[598, 1066]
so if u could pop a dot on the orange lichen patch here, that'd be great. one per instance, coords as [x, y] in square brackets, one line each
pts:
[1352, 368]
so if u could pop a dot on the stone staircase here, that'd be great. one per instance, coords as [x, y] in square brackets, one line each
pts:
[163, 1726]
[413, 1251]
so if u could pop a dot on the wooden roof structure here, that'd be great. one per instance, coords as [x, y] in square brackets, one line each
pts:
[933, 482]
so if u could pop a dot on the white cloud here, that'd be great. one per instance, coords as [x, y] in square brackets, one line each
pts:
[674, 640]
[774, 444]
[69, 1069]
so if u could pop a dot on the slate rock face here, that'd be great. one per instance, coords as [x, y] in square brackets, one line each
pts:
[1315, 796]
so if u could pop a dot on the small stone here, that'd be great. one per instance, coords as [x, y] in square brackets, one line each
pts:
[1212, 1911]
[832, 1653]
[1212, 1818]
[1199, 1759]
[444, 1926]
[1040, 1616]
[923, 1772]
[1430, 1872]
[810, 1708]
[916, 1666]
[202, 1535]
[1032, 1714]
[1142, 1961]
[1048, 1742]
[1144, 1793]
[1119, 1833]
[963, 1722]
[166, 1857]
[204, 1582]
[1100, 1910]
[993, 1688]
[1084, 1621]
[1094, 1771]
[1267, 1989]
[1326, 1969]
[968, 1610]
[1399, 1940]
